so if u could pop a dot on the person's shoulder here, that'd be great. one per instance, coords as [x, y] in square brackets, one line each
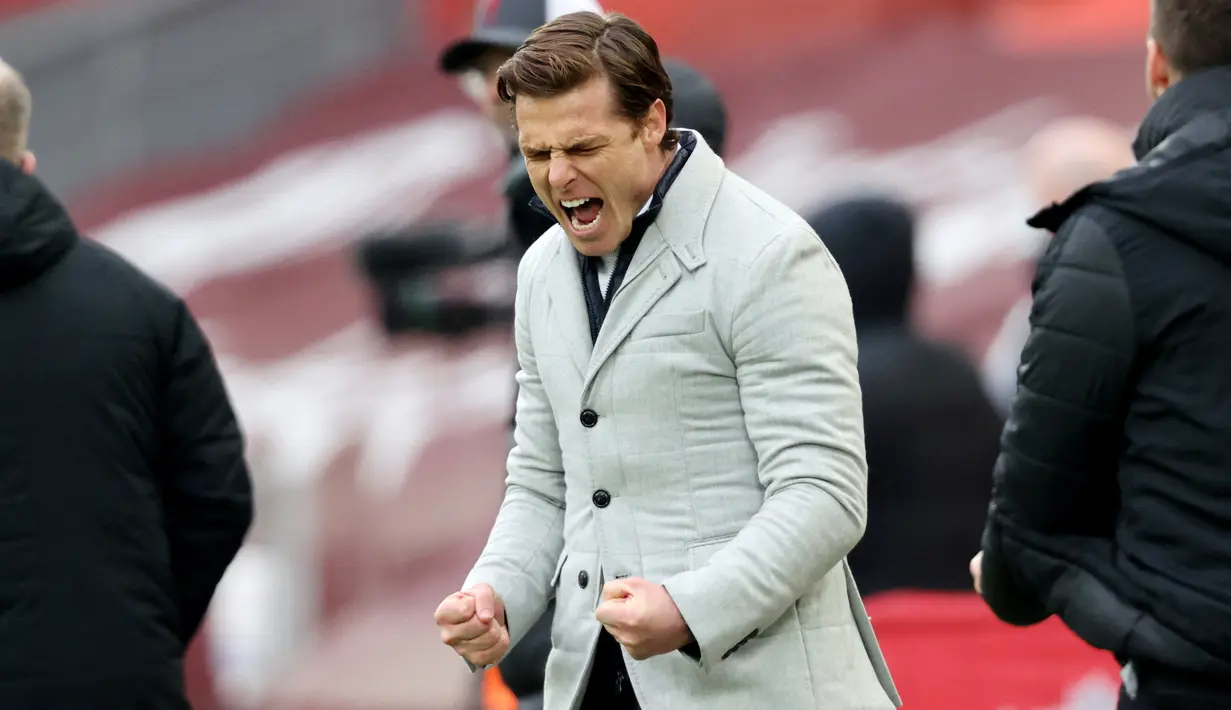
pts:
[1091, 238]
[745, 221]
[113, 271]
[1105, 221]
[899, 360]
[1082, 284]
[1090, 228]
[536, 257]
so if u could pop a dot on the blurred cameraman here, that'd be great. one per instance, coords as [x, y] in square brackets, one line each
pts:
[499, 29]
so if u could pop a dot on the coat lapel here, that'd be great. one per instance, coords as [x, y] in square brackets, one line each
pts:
[653, 271]
[670, 245]
[568, 305]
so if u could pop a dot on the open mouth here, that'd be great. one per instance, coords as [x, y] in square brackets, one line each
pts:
[584, 213]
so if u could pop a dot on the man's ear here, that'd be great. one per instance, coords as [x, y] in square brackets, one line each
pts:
[1159, 76]
[656, 122]
[28, 163]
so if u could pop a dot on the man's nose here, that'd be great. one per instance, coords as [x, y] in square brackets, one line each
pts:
[560, 173]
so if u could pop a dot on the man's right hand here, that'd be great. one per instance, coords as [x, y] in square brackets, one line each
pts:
[472, 622]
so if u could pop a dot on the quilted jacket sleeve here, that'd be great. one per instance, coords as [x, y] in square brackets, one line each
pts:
[528, 536]
[793, 337]
[1055, 478]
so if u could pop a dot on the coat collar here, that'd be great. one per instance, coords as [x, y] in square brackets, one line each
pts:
[672, 244]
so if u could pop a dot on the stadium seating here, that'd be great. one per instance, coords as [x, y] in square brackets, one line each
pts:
[947, 651]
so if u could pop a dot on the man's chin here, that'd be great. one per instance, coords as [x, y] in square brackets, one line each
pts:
[597, 244]
[586, 248]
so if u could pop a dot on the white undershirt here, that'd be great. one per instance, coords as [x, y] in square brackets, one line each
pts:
[606, 265]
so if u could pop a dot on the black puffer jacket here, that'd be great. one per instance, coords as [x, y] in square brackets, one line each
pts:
[123, 489]
[1112, 500]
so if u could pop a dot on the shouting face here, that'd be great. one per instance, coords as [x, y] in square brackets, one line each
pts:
[591, 166]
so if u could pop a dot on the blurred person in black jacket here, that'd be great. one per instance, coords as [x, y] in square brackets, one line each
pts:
[1112, 498]
[123, 489]
[931, 433]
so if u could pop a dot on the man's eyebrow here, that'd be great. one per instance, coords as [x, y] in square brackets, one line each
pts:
[585, 142]
[574, 144]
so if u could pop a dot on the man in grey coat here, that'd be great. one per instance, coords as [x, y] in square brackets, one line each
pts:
[689, 470]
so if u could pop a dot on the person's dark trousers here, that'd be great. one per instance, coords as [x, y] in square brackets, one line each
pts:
[1160, 688]
[609, 687]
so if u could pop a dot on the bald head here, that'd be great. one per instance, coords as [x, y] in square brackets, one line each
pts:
[15, 108]
[1070, 153]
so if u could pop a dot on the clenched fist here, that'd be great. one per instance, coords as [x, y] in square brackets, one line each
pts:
[643, 617]
[472, 622]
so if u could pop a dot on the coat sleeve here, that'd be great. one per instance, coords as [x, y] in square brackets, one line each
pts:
[528, 536]
[1055, 478]
[794, 347]
[207, 492]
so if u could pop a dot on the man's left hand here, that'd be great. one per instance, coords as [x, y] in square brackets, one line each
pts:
[643, 617]
[976, 571]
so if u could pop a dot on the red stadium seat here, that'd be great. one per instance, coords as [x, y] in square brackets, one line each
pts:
[947, 651]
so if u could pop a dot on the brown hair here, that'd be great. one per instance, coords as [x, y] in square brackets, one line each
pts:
[1193, 34]
[575, 48]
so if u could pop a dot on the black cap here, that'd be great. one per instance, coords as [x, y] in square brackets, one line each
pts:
[697, 104]
[505, 24]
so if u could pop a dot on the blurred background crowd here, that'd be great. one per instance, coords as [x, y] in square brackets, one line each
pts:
[243, 150]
